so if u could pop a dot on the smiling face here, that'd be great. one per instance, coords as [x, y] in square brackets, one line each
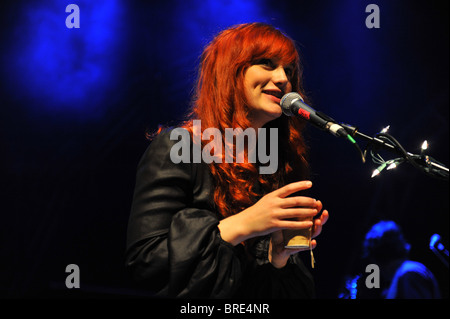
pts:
[265, 83]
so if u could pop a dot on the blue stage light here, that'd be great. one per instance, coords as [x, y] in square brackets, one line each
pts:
[51, 67]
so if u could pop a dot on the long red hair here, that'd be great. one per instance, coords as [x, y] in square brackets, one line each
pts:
[219, 102]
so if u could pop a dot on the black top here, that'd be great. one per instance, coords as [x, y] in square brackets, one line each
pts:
[174, 247]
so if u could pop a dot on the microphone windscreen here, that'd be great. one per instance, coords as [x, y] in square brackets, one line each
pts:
[287, 100]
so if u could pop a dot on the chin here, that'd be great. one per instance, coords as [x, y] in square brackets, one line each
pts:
[272, 117]
[274, 114]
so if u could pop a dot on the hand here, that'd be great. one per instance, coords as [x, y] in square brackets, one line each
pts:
[319, 222]
[278, 255]
[273, 212]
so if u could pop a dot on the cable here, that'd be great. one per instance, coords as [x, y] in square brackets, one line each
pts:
[352, 140]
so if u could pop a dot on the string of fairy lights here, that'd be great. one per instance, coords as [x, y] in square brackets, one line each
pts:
[383, 140]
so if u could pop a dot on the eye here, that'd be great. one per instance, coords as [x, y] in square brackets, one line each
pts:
[265, 62]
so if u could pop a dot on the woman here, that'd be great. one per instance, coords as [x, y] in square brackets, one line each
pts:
[216, 229]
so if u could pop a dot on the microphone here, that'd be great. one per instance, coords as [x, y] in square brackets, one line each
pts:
[293, 104]
[438, 248]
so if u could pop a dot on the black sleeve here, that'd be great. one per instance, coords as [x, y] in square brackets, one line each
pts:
[173, 247]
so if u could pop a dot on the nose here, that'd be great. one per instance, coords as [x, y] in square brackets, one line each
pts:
[279, 77]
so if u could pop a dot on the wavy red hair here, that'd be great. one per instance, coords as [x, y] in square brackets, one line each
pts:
[219, 101]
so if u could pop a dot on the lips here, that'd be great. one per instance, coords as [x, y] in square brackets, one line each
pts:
[274, 96]
[275, 93]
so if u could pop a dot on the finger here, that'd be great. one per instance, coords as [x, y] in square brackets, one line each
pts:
[318, 224]
[297, 213]
[324, 217]
[294, 224]
[299, 201]
[319, 205]
[292, 188]
[317, 229]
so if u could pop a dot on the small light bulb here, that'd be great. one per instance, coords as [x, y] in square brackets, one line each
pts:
[378, 170]
[385, 129]
[392, 166]
[424, 145]
[375, 173]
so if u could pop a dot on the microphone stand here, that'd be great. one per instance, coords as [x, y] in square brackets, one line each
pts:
[383, 140]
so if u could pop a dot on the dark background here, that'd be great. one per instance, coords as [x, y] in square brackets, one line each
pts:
[75, 105]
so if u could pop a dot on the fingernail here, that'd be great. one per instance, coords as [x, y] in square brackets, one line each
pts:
[309, 183]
